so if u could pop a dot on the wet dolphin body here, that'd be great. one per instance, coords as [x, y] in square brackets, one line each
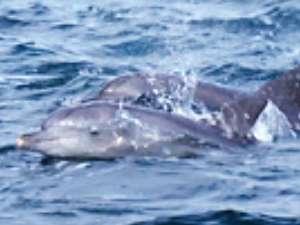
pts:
[140, 88]
[240, 110]
[104, 130]
[284, 92]
[96, 129]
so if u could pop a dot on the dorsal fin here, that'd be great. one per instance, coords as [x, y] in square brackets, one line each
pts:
[284, 92]
[239, 116]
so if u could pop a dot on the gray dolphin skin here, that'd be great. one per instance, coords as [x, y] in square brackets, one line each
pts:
[239, 109]
[284, 92]
[133, 88]
[107, 130]
[112, 125]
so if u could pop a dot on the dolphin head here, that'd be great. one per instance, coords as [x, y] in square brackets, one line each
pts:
[95, 130]
[77, 142]
[124, 88]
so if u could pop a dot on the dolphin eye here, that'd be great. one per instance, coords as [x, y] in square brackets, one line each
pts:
[94, 131]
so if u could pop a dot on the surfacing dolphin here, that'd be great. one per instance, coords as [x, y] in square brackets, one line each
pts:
[104, 130]
[240, 110]
[283, 92]
[147, 90]
[107, 130]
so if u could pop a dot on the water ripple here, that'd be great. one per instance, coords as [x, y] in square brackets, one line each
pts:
[7, 22]
[54, 53]
[29, 49]
[245, 26]
[136, 48]
[230, 217]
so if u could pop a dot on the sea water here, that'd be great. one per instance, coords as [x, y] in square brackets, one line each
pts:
[55, 53]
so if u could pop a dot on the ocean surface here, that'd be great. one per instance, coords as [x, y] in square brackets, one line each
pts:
[55, 53]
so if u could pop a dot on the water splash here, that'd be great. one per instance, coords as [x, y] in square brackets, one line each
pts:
[272, 124]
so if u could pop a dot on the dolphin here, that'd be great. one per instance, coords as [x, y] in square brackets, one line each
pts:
[147, 89]
[106, 130]
[109, 129]
[239, 109]
[283, 92]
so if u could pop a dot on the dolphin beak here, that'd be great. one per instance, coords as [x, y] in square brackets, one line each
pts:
[21, 142]
[25, 141]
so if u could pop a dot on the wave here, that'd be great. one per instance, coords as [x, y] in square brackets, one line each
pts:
[140, 47]
[8, 22]
[61, 73]
[29, 49]
[224, 217]
[7, 148]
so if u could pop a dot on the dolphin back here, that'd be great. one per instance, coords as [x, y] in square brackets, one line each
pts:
[240, 115]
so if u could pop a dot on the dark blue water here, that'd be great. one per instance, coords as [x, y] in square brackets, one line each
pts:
[55, 53]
